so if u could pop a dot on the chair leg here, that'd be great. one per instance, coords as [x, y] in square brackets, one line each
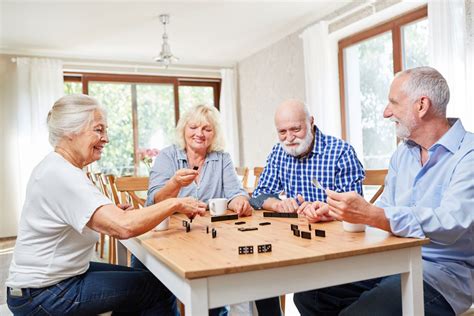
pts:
[181, 308]
[113, 245]
[282, 303]
[102, 241]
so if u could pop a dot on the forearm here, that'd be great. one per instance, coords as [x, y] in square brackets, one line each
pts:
[111, 220]
[378, 219]
[170, 190]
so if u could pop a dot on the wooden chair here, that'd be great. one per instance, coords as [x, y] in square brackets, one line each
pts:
[101, 243]
[257, 172]
[375, 177]
[128, 188]
[244, 173]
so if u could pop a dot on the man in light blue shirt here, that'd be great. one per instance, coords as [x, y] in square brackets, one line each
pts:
[429, 192]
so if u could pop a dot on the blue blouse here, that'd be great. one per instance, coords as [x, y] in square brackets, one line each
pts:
[217, 178]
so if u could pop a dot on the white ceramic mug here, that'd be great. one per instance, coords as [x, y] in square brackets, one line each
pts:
[353, 228]
[164, 225]
[217, 206]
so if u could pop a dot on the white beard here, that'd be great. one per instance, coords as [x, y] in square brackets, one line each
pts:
[403, 131]
[303, 144]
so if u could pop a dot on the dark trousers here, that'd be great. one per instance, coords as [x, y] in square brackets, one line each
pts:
[103, 288]
[381, 297]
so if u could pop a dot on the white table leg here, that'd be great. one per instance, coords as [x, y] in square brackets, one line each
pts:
[412, 285]
[199, 301]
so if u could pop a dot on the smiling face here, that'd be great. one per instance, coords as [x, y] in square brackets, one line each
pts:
[87, 145]
[198, 136]
[400, 109]
[294, 128]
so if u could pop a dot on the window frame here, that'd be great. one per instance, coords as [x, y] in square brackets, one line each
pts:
[394, 26]
[85, 78]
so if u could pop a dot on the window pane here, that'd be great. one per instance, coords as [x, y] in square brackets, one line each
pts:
[368, 70]
[118, 153]
[415, 44]
[156, 117]
[194, 95]
[72, 87]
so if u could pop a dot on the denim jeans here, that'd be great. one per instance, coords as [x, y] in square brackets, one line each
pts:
[265, 307]
[102, 288]
[381, 297]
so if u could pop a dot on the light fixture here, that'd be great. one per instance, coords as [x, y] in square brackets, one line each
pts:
[165, 58]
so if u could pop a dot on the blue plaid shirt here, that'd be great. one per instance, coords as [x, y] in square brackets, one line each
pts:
[332, 161]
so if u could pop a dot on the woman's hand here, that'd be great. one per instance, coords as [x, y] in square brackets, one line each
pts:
[191, 207]
[241, 206]
[184, 177]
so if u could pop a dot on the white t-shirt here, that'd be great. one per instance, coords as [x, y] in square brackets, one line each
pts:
[53, 241]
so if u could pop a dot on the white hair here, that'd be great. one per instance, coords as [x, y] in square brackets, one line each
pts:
[70, 115]
[426, 81]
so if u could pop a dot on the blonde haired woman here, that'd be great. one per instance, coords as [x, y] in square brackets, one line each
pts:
[197, 166]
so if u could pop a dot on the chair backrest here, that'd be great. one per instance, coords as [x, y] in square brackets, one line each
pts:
[128, 188]
[257, 172]
[110, 182]
[375, 177]
[243, 173]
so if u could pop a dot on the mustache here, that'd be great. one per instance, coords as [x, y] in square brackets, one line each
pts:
[394, 120]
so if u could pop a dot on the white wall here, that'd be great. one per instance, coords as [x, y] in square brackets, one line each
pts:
[9, 210]
[266, 79]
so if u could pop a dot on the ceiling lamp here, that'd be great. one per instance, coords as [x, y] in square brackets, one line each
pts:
[165, 58]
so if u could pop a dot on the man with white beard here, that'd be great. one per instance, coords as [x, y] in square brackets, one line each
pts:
[429, 193]
[303, 154]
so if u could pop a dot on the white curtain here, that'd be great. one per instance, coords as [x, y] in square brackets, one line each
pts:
[321, 78]
[35, 84]
[229, 113]
[452, 53]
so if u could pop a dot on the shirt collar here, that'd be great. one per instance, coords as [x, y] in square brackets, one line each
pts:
[451, 140]
[319, 141]
[181, 153]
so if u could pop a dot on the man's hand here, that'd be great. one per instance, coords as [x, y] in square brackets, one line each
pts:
[316, 212]
[184, 177]
[353, 208]
[241, 205]
[284, 206]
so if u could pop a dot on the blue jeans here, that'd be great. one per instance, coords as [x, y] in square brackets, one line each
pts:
[265, 307]
[102, 288]
[381, 297]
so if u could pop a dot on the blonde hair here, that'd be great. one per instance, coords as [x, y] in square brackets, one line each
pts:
[201, 114]
[70, 115]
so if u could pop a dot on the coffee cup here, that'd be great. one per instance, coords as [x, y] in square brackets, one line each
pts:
[217, 206]
[164, 225]
[353, 228]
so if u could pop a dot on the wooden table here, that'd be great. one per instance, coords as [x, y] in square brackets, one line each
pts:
[205, 273]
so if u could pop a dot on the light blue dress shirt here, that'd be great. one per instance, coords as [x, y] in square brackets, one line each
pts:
[436, 201]
[217, 178]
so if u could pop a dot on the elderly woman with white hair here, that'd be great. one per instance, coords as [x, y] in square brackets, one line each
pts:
[197, 166]
[63, 214]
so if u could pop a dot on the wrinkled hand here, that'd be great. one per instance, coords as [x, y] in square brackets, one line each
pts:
[184, 177]
[125, 207]
[241, 206]
[289, 205]
[316, 212]
[191, 207]
[348, 206]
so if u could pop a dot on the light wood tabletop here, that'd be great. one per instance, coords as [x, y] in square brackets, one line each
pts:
[196, 254]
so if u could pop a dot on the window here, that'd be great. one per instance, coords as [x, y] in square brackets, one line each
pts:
[142, 112]
[368, 62]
